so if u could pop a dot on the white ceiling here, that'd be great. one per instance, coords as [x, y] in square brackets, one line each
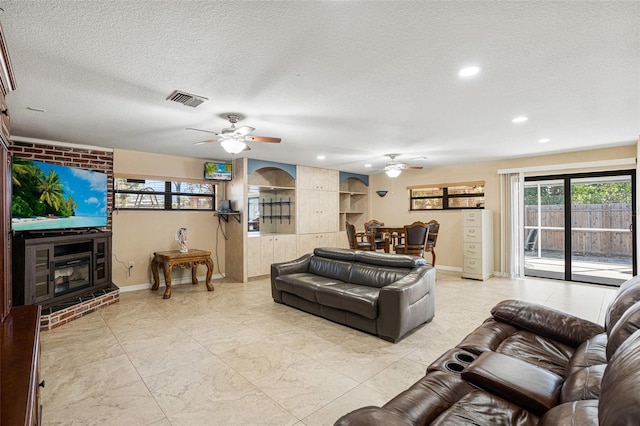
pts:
[350, 80]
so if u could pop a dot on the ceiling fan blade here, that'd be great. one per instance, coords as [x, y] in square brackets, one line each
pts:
[207, 141]
[244, 130]
[201, 130]
[262, 139]
[412, 167]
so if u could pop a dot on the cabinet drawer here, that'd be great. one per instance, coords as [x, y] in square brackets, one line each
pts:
[472, 218]
[472, 251]
[472, 266]
[472, 234]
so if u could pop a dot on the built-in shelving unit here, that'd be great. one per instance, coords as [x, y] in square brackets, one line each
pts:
[354, 200]
[279, 210]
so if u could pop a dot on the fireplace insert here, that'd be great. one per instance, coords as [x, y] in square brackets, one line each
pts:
[71, 275]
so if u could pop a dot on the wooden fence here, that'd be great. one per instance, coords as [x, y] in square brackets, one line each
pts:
[598, 229]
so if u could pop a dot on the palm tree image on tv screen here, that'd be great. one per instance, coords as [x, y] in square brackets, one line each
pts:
[50, 196]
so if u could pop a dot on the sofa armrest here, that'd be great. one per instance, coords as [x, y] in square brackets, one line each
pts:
[297, 266]
[367, 416]
[526, 385]
[546, 322]
[406, 303]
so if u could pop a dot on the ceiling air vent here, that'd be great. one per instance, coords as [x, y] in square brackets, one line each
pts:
[187, 99]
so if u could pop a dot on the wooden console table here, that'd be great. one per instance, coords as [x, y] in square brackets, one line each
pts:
[172, 259]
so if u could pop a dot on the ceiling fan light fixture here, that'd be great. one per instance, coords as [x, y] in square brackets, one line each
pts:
[233, 146]
[393, 172]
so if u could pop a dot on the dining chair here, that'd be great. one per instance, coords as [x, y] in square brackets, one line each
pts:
[357, 239]
[414, 239]
[434, 227]
[378, 237]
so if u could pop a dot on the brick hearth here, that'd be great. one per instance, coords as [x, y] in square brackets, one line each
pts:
[74, 309]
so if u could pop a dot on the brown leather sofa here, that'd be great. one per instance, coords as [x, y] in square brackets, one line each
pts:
[384, 294]
[529, 365]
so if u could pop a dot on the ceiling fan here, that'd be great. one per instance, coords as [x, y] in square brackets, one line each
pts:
[234, 139]
[394, 168]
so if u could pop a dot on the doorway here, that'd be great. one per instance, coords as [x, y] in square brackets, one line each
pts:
[581, 227]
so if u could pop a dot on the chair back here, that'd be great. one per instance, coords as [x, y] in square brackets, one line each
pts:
[371, 227]
[415, 238]
[434, 227]
[378, 237]
[351, 235]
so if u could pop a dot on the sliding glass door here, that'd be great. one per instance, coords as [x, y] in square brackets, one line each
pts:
[580, 227]
[544, 228]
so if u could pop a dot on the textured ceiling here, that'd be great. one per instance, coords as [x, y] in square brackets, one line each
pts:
[350, 80]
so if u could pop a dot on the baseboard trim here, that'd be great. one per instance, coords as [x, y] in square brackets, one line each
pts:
[180, 281]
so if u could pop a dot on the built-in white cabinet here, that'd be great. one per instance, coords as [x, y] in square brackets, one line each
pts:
[317, 211]
[477, 244]
[308, 242]
[354, 207]
[318, 204]
[317, 179]
[267, 249]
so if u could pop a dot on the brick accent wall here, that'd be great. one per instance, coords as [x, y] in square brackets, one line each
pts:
[49, 321]
[82, 158]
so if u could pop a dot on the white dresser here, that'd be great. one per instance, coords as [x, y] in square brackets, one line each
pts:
[477, 244]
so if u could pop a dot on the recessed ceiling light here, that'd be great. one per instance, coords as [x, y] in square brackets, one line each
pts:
[520, 119]
[544, 140]
[469, 71]
[367, 165]
[321, 157]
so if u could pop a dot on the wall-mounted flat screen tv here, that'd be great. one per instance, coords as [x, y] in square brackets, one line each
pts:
[49, 196]
[217, 171]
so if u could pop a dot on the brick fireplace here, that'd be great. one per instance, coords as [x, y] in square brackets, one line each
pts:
[76, 294]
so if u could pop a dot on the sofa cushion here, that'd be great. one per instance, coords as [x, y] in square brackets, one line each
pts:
[579, 413]
[628, 323]
[330, 268]
[483, 408]
[348, 255]
[619, 395]
[628, 294]
[375, 276]
[388, 259]
[546, 353]
[592, 352]
[303, 285]
[359, 299]
[583, 384]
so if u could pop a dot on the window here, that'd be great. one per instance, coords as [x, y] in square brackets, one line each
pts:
[149, 194]
[469, 195]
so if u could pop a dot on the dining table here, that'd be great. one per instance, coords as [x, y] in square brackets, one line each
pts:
[389, 233]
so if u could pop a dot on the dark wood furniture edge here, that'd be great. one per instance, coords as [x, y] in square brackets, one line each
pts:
[19, 357]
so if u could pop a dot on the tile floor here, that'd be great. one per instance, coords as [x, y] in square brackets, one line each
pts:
[234, 357]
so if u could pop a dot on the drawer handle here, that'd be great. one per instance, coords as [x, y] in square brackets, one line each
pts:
[41, 384]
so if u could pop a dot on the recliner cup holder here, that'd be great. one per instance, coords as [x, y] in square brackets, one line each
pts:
[454, 367]
[464, 358]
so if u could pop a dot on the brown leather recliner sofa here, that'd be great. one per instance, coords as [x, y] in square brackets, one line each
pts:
[383, 294]
[529, 365]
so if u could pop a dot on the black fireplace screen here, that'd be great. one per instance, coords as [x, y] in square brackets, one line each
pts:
[71, 275]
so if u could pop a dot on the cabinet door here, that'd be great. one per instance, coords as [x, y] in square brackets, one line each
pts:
[326, 213]
[266, 254]
[253, 256]
[101, 261]
[39, 270]
[318, 179]
[306, 210]
[284, 248]
[307, 243]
